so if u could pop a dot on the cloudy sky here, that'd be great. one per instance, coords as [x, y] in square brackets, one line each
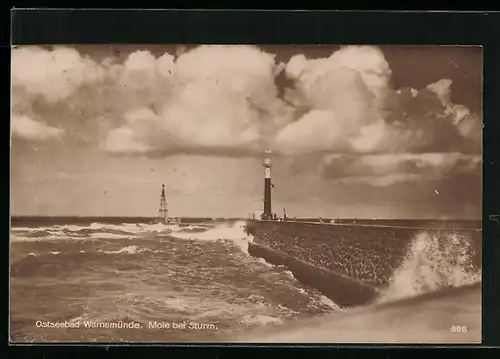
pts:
[356, 131]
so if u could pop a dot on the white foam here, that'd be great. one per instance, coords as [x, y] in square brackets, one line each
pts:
[221, 231]
[30, 229]
[98, 231]
[104, 235]
[133, 249]
[128, 249]
[17, 238]
[235, 233]
[70, 227]
[267, 264]
[328, 302]
[300, 290]
[431, 265]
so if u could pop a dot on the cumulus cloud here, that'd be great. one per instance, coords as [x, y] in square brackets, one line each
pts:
[144, 79]
[221, 99]
[345, 90]
[224, 100]
[59, 88]
[26, 128]
[53, 74]
[352, 108]
[85, 97]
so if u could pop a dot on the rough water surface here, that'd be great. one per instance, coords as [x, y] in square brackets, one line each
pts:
[191, 282]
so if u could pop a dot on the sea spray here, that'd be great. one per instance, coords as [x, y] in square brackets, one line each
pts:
[433, 262]
[224, 231]
[220, 231]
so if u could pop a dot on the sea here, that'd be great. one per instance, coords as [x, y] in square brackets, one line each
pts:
[134, 280]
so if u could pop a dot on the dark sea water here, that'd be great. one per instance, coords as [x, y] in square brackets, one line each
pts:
[196, 276]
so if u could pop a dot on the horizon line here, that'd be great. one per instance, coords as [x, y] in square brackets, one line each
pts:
[236, 217]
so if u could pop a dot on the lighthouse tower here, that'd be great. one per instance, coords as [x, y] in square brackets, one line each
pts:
[267, 186]
[163, 211]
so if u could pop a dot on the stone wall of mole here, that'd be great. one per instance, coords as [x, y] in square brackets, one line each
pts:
[366, 255]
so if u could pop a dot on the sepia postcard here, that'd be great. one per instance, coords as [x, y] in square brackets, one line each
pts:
[246, 194]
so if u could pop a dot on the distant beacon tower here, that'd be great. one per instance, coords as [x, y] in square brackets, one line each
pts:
[267, 186]
[163, 212]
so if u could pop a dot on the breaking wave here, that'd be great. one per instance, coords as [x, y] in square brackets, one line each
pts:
[130, 250]
[220, 231]
[235, 233]
[99, 231]
[434, 262]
